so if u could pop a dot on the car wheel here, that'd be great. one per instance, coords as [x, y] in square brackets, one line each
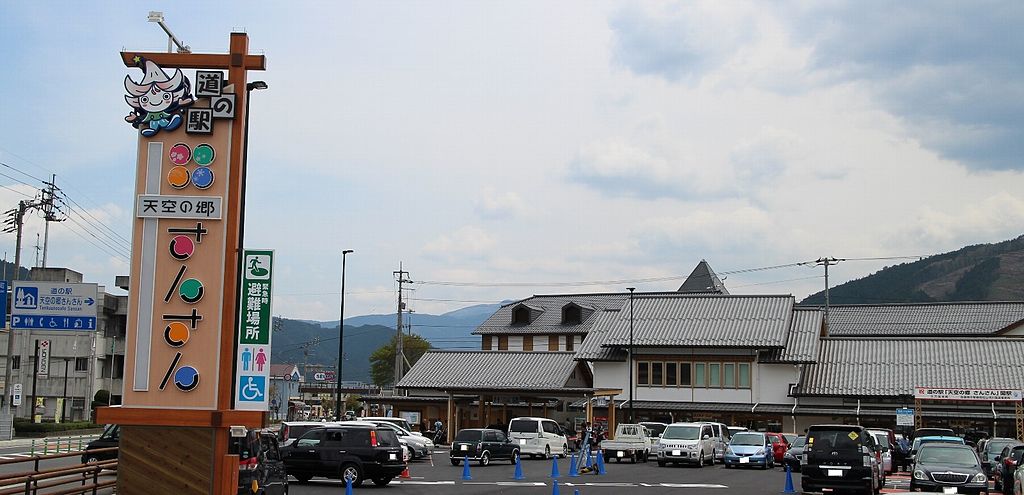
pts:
[303, 478]
[547, 452]
[646, 455]
[515, 456]
[455, 462]
[92, 458]
[350, 471]
[485, 458]
[412, 452]
[661, 463]
[565, 451]
[381, 481]
[700, 459]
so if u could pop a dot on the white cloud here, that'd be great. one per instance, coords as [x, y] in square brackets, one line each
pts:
[465, 242]
[493, 204]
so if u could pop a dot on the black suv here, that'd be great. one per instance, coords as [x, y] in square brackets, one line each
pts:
[260, 469]
[483, 445]
[346, 452]
[841, 457]
[110, 438]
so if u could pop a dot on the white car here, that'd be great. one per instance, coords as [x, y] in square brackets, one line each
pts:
[691, 443]
[417, 446]
[538, 437]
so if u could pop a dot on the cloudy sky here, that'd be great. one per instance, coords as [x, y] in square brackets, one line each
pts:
[518, 147]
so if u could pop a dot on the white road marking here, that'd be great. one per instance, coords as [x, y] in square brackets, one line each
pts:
[690, 485]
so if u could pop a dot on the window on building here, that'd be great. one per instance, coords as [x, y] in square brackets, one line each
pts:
[528, 342]
[657, 373]
[16, 363]
[671, 376]
[714, 375]
[643, 376]
[744, 372]
[81, 364]
[486, 344]
[570, 342]
[503, 342]
[684, 374]
[572, 314]
[729, 375]
[521, 316]
[552, 342]
[698, 375]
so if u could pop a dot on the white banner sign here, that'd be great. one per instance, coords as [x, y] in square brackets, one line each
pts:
[980, 394]
[197, 207]
[43, 370]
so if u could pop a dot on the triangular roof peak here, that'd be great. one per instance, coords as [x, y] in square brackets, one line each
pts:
[703, 280]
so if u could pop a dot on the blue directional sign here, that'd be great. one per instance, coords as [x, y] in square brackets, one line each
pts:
[54, 306]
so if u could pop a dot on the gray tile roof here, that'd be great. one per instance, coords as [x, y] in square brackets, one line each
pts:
[884, 367]
[504, 370]
[803, 340]
[703, 321]
[546, 311]
[591, 348]
[703, 280]
[931, 319]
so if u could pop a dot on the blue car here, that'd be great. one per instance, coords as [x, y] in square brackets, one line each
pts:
[747, 449]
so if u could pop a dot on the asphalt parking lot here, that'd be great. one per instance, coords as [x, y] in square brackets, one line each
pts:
[641, 478]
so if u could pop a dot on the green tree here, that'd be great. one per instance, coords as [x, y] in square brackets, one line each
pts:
[382, 361]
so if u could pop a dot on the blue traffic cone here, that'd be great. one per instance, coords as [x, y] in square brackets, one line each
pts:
[348, 487]
[573, 468]
[465, 469]
[576, 492]
[600, 463]
[554, 467]
[789, 481]
[519, 470]
[554, 487]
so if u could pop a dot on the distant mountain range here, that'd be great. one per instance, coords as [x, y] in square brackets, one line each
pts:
[294, 339]
[983, 272]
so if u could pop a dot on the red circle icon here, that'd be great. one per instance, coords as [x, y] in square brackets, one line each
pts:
[180, 154]
[182, 247]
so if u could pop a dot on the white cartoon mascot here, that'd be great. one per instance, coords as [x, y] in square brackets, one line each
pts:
[158, 100]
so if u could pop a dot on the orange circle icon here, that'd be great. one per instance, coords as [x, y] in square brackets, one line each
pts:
[176, 334]
[177, 177]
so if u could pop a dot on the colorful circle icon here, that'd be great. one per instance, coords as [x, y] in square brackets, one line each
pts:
[177, 177]
[202, 177]
[182, 247]
[180, 154]
[191, 291]
[186, 378]
[204, 155]
[176, 334]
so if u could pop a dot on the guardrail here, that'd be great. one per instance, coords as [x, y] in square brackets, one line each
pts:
[85, 477]
[56, 445]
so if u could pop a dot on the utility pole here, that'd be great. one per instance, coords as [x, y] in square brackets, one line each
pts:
[399, 352]
[48, 212]
[827, 261]
[38, 250]
[14, 223]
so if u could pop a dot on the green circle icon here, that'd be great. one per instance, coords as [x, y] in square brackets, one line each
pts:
[203, 155]
[191, 291]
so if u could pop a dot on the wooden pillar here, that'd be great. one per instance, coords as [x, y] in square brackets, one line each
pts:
[589, 411]
[531, 407]
[487, 412]
[504, 413]
[611, 418]
[451, 424]
[480, 411]
[545, 409]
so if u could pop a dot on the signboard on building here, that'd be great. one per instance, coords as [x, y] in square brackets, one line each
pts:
[904, 417]
[968, 394]
[252, 371]
[43, 358]
[16, 394]
[54, 306]
[3, 303]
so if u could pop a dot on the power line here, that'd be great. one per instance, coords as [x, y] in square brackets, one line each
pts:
[22, 172]
[115, 251]
[98, 221]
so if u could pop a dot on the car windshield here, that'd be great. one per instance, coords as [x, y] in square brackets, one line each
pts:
[997, 445]
[962, 457]
[747, 439]
[882, 439]
[656, 429]
[918, 442]
[296, 431]
[833, 439]
[523, 426]
[681, 433]
[468, 436]
[799, 442]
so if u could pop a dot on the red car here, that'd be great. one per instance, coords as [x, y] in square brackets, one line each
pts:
[779, 445]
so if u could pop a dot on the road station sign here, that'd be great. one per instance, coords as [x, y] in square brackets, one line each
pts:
[43, 357]
[904, 417]
[16, 394]
[54, 306]
[968, 394]
[252, 371]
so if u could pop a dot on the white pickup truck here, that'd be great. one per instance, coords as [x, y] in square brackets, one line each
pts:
[631, 442]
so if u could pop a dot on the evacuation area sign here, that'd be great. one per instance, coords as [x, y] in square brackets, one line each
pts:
[54, 306]
[252, 369]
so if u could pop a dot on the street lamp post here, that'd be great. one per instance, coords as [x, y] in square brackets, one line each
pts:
[249, 87]
[341, 341]
[631, 289]
[64, 405]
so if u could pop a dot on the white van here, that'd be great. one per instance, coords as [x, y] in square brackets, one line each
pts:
[538, 437]
[691, 443]
[720, 435]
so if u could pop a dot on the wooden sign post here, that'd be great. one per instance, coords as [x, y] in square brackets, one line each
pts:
[179, 355]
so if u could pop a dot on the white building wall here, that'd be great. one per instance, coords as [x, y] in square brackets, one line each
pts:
[773, 382]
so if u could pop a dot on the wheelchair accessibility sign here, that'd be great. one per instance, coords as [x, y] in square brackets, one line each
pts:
[252, 388]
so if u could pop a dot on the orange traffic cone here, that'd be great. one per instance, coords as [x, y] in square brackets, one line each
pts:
[405, 473]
